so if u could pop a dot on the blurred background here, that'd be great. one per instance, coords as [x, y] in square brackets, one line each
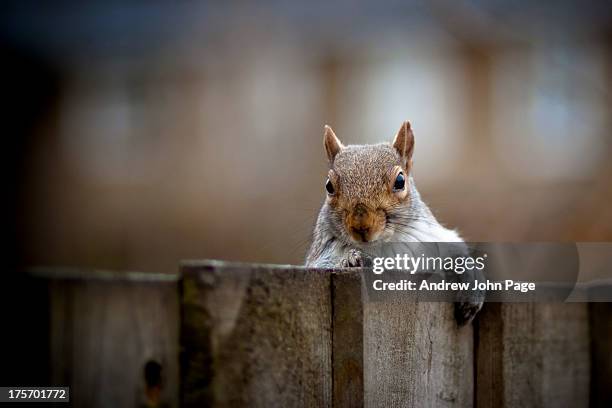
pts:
[141, 133]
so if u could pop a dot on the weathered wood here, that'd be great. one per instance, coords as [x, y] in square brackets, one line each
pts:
[269, 336]
[104, 328]
[533, 355]
[255, 336]
[416, 356]
[347, 340]
[600, 317]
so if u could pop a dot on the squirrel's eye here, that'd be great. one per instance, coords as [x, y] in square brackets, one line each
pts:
[400, 182]
[329, 187]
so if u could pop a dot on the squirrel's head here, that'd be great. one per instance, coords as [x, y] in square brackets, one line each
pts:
[368, 185]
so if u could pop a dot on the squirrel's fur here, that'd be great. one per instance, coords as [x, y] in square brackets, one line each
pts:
[362, 175]
[365, 209]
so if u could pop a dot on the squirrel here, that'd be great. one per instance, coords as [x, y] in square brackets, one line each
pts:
[372, 198]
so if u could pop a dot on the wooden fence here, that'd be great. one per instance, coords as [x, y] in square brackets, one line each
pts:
[225, 335]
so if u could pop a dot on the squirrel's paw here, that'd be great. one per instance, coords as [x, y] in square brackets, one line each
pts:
[465, 311]
[355, 259]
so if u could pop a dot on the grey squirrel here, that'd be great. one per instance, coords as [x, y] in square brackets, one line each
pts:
[372, 198]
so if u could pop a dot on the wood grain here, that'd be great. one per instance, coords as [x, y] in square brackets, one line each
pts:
[416, 356]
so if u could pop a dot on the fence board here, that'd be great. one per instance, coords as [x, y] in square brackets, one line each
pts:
[104, 327]
[416, 356]
[256, 336]
[533, 355]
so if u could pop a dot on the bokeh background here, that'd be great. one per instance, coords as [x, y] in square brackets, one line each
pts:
[140, 133]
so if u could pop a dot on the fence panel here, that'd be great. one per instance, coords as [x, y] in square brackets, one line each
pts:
[229, 334]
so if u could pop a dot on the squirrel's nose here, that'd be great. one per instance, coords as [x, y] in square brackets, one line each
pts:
[362, 232]
[360, 223]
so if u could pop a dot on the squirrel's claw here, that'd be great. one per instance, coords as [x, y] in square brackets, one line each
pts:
[465, 311]
[354, 259]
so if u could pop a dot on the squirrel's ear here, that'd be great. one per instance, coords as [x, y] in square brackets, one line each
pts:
[332, 144]
[404, 142]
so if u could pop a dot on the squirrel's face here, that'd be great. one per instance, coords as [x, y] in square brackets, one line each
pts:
[367, 186]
